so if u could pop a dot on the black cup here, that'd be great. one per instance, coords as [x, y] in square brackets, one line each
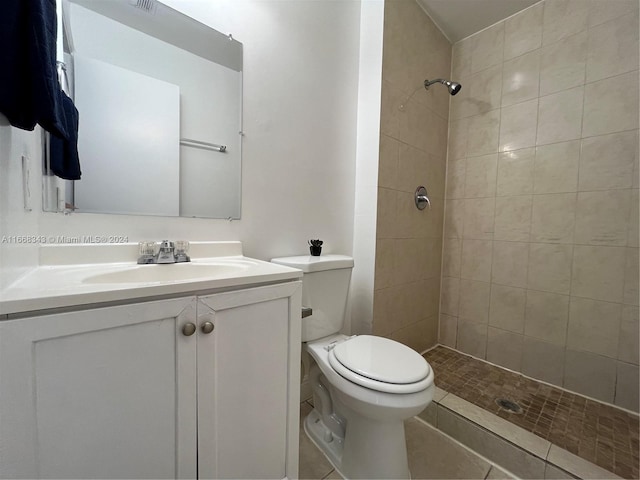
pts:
[315, 251]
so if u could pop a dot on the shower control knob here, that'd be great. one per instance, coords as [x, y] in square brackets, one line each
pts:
[188, 329]
[207, 327]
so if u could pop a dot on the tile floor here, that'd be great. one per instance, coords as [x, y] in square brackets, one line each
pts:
[597, 432]
[432, 454]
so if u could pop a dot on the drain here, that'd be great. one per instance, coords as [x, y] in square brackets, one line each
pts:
[508, 405]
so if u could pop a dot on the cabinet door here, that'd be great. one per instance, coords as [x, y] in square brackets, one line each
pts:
[103, 393]
[245, 406]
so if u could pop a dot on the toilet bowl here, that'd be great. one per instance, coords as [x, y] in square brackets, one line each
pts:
[361, 428]
[364, 387]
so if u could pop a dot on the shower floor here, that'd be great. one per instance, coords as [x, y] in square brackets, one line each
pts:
[597, 432]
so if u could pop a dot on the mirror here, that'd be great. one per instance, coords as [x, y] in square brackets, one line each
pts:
[160, 102]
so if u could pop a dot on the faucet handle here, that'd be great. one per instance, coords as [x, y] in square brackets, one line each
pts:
[182, 251]
[147, 252]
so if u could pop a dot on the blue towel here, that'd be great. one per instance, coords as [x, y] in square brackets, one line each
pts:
[63, 153]
[29, 90]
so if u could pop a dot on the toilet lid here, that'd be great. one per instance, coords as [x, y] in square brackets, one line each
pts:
[382, 360]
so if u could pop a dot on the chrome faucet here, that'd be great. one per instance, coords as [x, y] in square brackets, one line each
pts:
[168, 252]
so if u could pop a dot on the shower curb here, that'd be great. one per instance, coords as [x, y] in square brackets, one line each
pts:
[509, 446]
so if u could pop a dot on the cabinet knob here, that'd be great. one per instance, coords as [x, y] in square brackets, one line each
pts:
[188, 329]
[207, 327]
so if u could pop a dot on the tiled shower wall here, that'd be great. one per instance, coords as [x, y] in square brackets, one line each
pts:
[540, 268]
[413, 143]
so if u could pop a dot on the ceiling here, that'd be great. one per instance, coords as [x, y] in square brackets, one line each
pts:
[460, 18]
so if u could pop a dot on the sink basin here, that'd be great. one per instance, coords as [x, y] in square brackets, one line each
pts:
[173, 272]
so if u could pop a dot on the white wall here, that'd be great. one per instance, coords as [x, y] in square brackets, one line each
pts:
[300, 110]
[367, 158]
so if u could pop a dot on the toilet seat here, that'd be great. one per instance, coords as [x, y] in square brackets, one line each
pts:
[381, 364]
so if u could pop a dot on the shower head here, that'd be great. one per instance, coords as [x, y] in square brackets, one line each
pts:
[453, 87]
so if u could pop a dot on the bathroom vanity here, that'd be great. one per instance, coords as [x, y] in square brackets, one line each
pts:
[128, 376]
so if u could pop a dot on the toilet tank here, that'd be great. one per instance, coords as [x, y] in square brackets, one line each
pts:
[325, 288]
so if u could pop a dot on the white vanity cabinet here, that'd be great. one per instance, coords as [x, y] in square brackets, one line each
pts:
[129, 391]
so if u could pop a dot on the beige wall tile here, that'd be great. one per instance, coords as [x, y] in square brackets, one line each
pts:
[388, 163]
[428, 297]
[613, 48]
[484, 131]
[412, 163]
[480, 176]
[385, 263]
[448, 330]
[627, 386]
[462, 107]
[590, 374]
[414, 123]
[560, 116]
[386, 224]
[407, 255]
[435, 135]
[478, 218]
[550, 267]
[384, 314]
[420, 335]
[597, 272]
[472, 338]
[461, 55]
[609, 110]
[608, 161]
[523, 32]
[474, 301]
[454, 218]
[488, 48]
[510, 263]
[563, 18]
[450, 296]
[392, 98]
[507, 307]
[452, 257]
[518, 126]
[563, 64]
[458, 132]
[456, 172]
[553, 218]
[476, 259]
[631, 294]
[600, 12]
[601, 217]
[430, 257]
[513, 218]
[484, 90]
[594, 326]
[521, 78]
[556, 167]
[629, 334]
[504, 348]
[515, 172]
[543, 360]
[546, 316]
[634, 215]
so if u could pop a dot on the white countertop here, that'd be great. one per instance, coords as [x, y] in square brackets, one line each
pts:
[82, 275]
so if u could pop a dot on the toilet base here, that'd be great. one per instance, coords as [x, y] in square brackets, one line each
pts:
[329, 443]
[369, 450]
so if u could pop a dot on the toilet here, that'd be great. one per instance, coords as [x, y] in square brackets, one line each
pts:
[364, 387]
